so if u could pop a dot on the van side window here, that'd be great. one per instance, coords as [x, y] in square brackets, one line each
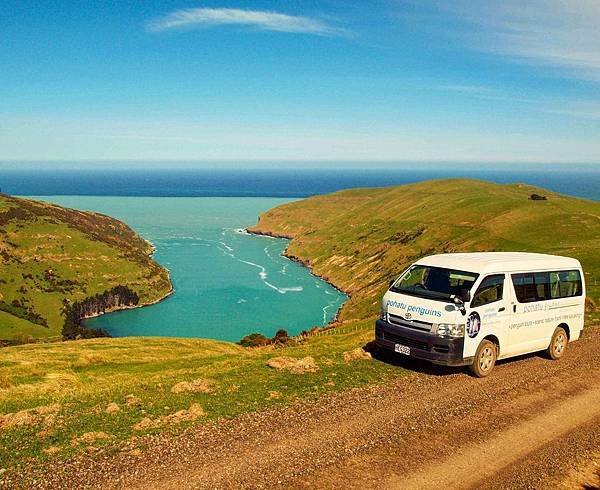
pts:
[489, 291]
[565, 284]
[541, 286]
[525, 287]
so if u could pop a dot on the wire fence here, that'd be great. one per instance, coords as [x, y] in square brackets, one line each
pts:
[342, 329]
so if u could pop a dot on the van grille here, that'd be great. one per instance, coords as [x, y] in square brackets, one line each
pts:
[412, 343]
[415, 324]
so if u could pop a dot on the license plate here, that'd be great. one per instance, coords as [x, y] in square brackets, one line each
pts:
[402, 349]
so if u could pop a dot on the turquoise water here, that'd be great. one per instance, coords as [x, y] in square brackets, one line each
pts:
[227, 283]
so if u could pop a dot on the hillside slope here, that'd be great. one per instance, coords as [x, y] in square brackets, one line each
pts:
[50, 255]
[360, 239]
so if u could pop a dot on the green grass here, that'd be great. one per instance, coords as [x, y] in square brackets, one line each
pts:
[14, 327]
[87, 253]
[84, 376]
[358, 239]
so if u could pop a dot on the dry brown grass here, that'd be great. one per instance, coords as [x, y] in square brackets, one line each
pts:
[199, 385]
[296, 366]
[186, 415]
[33, 416]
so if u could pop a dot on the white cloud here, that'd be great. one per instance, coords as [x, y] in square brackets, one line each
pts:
[39, 138]
[568, 107]
[467, 89]
[582, 114]
[553, 33]
[267, 21]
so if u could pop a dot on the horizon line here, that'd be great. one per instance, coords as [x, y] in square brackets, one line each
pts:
[296, 160]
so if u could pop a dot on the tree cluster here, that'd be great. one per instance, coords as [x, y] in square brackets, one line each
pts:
[258, 339]
[117, 297]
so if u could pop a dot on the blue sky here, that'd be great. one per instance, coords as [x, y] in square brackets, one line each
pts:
[300, 80]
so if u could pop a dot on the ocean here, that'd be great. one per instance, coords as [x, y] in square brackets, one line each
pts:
[582, 180]
[227, 283]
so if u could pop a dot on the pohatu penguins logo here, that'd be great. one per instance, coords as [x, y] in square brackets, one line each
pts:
[473, 324]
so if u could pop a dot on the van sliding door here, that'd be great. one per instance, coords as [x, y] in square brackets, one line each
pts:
[489, 313]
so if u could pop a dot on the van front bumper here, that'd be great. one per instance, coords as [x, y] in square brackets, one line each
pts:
[422, 345]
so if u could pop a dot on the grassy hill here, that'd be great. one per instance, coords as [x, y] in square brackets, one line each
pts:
[360, 239]
[110, 393]
[105, 395]
[49, 255]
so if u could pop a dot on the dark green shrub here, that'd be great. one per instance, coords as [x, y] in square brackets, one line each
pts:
[254, 340]
[281, 337]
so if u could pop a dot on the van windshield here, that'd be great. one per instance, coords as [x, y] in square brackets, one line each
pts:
[434, 282]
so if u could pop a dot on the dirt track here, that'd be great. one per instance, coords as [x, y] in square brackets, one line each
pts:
[534, 423]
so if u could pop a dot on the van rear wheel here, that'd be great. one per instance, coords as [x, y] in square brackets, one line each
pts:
[485, 359]
[558, 344]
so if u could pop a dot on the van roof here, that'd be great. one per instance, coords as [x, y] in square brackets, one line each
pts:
[490, 262]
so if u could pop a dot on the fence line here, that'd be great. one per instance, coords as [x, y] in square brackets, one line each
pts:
[338, 330]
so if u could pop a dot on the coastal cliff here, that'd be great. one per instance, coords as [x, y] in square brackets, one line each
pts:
[53, 257]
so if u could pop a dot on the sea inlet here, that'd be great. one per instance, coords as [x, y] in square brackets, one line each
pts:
[227, 283]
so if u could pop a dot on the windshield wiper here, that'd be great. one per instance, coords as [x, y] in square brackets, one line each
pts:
[423, 293]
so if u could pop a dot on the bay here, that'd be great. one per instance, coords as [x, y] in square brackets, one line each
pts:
[227, 283]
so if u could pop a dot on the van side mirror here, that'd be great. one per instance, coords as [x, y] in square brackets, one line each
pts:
[460, 304]
[391, 283]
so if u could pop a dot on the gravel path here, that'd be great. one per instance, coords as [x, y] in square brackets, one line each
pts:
[526, 426]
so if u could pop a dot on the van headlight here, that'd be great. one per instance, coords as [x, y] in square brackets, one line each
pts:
[451, 330]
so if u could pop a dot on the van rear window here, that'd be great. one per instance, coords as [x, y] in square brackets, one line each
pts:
[542, 286]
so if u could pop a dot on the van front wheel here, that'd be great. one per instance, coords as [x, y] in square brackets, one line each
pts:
[485, 359]
[558, 344]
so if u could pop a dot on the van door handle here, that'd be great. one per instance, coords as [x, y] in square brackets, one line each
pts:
[514, 308]
[501, 309]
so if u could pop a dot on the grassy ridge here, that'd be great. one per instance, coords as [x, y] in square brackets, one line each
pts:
[49, 254]
[360, 239]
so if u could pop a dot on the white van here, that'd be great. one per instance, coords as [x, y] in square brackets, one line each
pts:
[474, 308]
